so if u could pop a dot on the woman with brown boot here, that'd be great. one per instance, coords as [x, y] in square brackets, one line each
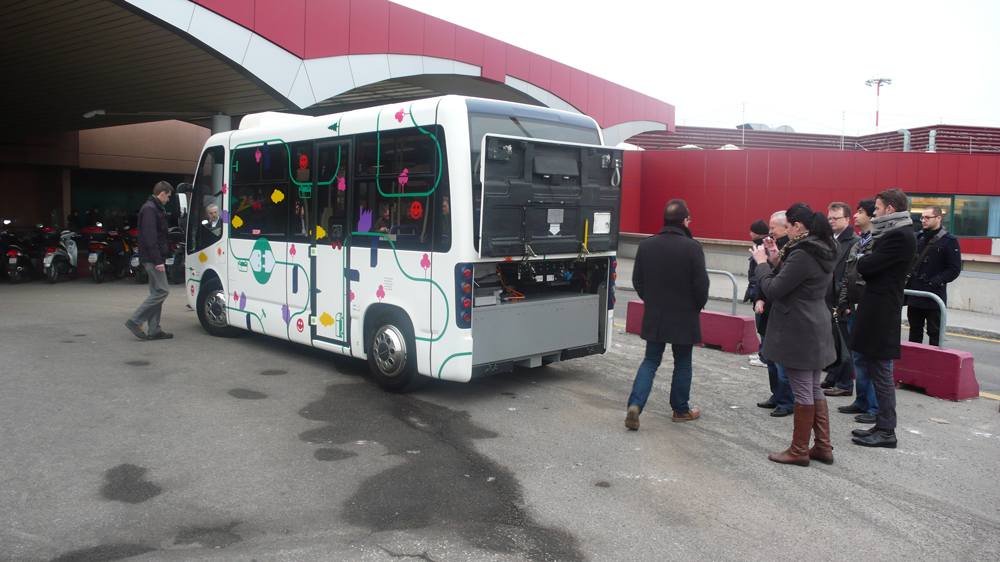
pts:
[799, 330]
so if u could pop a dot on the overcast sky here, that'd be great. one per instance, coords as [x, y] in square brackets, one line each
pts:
[777, 62]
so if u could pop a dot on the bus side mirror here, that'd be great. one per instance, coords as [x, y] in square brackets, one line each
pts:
[185, 188]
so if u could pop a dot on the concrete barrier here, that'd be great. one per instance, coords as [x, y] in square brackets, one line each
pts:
[733, 333]
[944, 373]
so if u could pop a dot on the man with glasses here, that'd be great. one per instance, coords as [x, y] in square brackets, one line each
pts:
[939, 262]
[840, 380]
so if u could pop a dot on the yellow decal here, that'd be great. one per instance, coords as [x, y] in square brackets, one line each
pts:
[326, 320]
[202, 257]
[277, 197]
[237, 222]
[320, 233]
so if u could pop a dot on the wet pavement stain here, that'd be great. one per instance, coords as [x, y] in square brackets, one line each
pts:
[603, 484]
[333, 454]
[443, 480]
[67, 341]
[104, 553]
[273, 373]
[124, 483]
[244, 394]
[79, 335]
[137, 363]
[209, 537]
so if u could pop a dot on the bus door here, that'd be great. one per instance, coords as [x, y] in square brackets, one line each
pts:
[330, 275]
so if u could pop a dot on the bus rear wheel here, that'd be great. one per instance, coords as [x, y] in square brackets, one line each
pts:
[212, 306]
[392, 354]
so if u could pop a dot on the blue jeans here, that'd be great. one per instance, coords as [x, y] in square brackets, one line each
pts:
[864, 388]
[783, 389]
[680, 384]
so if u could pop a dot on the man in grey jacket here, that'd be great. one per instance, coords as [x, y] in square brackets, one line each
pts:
[154, 249]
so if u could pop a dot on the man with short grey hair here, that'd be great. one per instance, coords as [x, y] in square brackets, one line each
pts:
[154, 249]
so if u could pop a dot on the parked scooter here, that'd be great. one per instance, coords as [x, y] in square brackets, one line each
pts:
[108, 255]
[24, 258]
[60, 258]
[7, 239]
[136, 268]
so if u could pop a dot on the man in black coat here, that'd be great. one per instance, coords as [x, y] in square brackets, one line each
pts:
[154, 249]
[883, 264]
[941, 264]
[670, 277]
[840, 380]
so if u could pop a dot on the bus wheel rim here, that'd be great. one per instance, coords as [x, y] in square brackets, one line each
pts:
[389, 348]
[215, 309]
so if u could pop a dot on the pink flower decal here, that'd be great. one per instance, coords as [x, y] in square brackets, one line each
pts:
[224, 189]
[292, 251]
[404, 177]
[400, 114]
[380, 293]
[341, 185]
[257, 155]
[352, 296]
[425, 263]
[236, 296]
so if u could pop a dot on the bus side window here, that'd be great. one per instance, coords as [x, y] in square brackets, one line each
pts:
[260, 193]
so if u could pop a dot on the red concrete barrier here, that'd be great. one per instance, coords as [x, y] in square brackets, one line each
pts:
[735, 334]
[944, 373]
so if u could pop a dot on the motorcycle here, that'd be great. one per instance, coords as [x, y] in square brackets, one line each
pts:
[108, 254]
[60, 257]
[23, 256]
[136, 268]
[7, 239]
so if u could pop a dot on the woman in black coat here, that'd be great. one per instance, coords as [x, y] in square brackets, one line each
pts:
[799, 329]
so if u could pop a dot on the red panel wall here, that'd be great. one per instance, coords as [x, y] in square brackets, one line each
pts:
[282, 22]
[727, 190]
[239, 11]
[406, 30]
[631, 192]
[328, 28]
[369, 27]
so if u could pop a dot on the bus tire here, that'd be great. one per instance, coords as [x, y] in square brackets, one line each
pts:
[392, 354]
[212, 314]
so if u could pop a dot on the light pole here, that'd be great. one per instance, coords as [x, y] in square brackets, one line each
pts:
[878, 88]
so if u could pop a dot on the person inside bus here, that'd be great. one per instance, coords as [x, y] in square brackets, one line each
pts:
[298, 226]
[384, 223]
[212, 223]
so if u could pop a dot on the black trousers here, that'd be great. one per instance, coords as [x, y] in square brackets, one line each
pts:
[843, 376]
[916, 317]
[880, 372]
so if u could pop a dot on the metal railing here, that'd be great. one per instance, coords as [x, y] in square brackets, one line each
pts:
[941, 305]
[731, 278]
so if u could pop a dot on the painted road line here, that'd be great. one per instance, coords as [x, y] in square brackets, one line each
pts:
[972, 337]
[988, 395]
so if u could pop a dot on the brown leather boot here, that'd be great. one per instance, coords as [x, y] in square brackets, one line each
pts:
[802, 424]
[822, 451]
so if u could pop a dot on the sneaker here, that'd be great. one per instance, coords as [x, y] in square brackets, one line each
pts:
[135, 329]
[753, 356]
[757, 362]
[160, 335]
[632, 418]
[691, 414]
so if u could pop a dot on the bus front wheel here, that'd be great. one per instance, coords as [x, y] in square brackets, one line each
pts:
[392, 355]
[212, 306]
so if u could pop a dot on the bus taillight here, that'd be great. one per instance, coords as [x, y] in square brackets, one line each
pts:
[463, 292]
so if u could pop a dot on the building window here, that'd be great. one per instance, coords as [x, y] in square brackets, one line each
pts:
[964, 215]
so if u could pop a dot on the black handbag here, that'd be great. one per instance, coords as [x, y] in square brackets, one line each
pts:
[843, 352]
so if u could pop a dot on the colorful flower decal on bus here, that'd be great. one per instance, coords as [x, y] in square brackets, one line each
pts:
[326, 320]
[277, 197]
[404, 177]
[380, 293]
[243, 301]
[425, 263]
[352, 296]
[202, 257]
[285, 314]
[401, 114]
[256, 155]
[341, 185]
[224, 189]
[237, 222]
[336, 244]
[292, 250]
[364, 220]
[225, 215]
[320, 233]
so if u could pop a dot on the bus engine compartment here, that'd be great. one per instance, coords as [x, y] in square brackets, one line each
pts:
[533, 312]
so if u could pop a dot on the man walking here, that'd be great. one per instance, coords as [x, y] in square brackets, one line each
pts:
[883, 266]
[670, 277]
[851, 286]
[154, 249]
[840, 380]
[939, 262]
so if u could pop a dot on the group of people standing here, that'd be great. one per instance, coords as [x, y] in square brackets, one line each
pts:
[810, 275]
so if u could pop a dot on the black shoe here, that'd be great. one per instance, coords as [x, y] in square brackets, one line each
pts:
[135, 329]
[161, 335]
[852, 409]
[780, 412]
[863, 432]
[860, 418]
[878, 438]
[826, 384]
[766, 404]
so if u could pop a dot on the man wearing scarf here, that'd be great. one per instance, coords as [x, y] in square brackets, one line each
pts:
[883, 262]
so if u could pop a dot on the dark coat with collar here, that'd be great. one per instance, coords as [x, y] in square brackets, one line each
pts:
[941, 265]
[154, 246]
[844, 243]
[800, 326]
[670, 277]
[883, 267]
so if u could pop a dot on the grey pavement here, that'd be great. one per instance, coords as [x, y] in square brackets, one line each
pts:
[960, 322]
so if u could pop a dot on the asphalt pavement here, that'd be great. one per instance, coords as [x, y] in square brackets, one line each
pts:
[201, 448]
